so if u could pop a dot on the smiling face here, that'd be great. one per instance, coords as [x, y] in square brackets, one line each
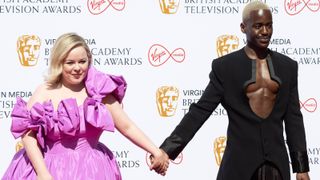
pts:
[75, 66]
[258, 28]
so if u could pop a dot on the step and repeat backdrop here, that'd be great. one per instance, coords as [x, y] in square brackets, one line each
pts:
[162, 48]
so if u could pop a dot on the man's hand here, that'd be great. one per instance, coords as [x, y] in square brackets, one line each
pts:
[303, 176]
[159, 162]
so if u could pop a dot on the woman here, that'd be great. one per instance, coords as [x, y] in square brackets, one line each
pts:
[61, 124]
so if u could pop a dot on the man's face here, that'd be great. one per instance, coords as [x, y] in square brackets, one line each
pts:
[258, 29]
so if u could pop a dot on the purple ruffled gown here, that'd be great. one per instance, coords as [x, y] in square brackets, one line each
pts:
[69, 136]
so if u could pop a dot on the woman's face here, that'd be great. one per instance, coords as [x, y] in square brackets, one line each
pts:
[75, 66]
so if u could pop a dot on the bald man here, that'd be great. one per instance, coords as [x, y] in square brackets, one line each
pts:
[260, 96]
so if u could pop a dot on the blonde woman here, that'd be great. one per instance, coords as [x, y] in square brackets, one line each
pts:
[61, 123]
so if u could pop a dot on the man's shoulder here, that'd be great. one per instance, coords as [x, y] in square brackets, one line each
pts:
[229, 58]
[279, 57]
[232, 55]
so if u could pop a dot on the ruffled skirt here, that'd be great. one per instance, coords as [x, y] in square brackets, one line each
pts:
[81, 164]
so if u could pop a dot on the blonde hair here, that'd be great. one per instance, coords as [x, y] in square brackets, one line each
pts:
[252, 6]
[60, 50]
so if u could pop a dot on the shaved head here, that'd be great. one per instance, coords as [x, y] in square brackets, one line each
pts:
[252, 6]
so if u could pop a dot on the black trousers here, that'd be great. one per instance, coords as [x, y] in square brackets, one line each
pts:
[267, 171]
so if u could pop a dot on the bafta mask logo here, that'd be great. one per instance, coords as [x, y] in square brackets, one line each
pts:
[227, 44]
[167, 100]
[19, 146]
[169, 6]
[218, 148]
[28, 48]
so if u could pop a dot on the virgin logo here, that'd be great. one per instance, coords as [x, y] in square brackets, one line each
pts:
[309, 105]
[158, 55]
[98, 6]
[294, 7]
[178, 160]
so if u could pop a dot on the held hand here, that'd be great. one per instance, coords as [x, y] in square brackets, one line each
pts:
[159, 162]
[303, 176]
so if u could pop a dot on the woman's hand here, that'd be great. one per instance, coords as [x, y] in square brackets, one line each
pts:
[159, 162]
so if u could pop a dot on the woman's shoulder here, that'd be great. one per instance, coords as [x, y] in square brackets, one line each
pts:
[40, 94]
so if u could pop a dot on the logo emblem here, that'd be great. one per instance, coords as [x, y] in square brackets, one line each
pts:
[227, 44]
[19, 146]
[98, 6]
[294, 7]
[167, 100]
[309, 105]
[169, 6]
[178, 159]
[158, 55]
[28, 48]
[219, 146]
